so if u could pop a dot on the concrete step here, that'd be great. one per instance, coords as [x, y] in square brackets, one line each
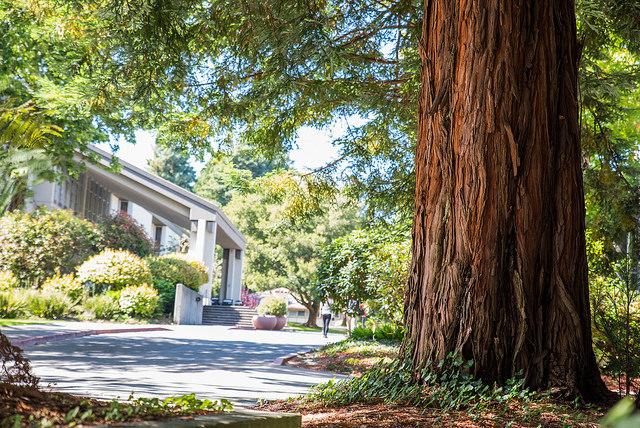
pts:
[240, 316]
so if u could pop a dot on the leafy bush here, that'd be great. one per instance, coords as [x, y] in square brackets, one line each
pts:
[8, 280]
[139, 301]
[48, 304]
[196, 264]
[122, 232]
[66, 284]
[166, 293]
[389, 332]
[272, 306]
[175, 271]
[102, 307]
[615, 306]
[13, 304]
[202, 270]
[369, 266]
[34, 246]
[114, 269]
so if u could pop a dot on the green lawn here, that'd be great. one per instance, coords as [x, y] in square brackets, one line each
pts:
[6, 322]
[301, 327]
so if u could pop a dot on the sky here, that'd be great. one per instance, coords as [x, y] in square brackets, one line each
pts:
[314, 148]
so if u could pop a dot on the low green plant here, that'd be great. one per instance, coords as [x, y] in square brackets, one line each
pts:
[66, 284]
[175, 271]
[174, 405]
[8, 280]
[272, 306]
[448, 386]
[623, 415]
[114, 269]
[166, 293]
[50, 304]
[13, 304]
[102, 307]
[384, 332]
[88, 412]
[139, 301]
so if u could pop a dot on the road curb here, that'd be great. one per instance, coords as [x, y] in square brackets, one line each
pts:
[75, 334]
[281, 361]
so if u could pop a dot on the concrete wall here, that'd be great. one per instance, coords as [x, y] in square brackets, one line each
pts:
[144, 217]
[188, 306]
[42, 196]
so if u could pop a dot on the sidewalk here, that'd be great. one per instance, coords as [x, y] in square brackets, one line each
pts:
[47, 328]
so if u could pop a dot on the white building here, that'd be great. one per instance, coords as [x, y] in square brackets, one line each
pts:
[166, 211]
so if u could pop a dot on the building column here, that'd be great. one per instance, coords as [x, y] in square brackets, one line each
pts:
[202, 242]
[230, 285]
[236, 285]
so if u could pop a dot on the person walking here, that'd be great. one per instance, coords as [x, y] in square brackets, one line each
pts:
[325, 311]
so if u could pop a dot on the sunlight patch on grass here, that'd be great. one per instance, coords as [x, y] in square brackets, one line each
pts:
[301, 327]
[6, 322]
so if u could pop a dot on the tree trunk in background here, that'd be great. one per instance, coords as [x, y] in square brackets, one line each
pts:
[499, 271]
[314, 308]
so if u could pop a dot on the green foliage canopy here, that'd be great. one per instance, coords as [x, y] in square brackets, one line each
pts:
[370, 266]
[283, 250]
[172, 165]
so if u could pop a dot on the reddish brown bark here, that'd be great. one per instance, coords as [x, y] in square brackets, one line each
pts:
[499, 270]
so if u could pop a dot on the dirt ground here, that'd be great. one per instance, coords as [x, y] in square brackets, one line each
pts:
[381, 415]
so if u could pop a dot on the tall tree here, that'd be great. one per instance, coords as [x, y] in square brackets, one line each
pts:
[172, 165]
[499, 271]
[499, 209]
[230, 173]
[285, 250]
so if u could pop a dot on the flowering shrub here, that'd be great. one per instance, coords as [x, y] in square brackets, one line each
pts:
[175, 271]
[139, 301]
[122, 232]
[114, 269]
[102, 307]
[272, 306]
[66, 284]
[249, 299]
[34, 246]
[8, 280]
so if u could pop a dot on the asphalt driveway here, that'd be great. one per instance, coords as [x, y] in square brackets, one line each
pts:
[212, 361]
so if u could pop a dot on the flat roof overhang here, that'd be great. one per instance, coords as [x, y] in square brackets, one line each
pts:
[162, 197]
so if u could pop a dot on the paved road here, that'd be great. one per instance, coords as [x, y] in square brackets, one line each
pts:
[212, 361]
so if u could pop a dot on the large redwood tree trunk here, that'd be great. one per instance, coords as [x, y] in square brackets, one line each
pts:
[499, 269]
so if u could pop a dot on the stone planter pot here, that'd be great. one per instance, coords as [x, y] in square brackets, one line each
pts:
[264, 322]
[280, 322]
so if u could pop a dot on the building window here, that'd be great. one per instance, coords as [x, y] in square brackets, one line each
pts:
[98, 202]
[301, 313]
[158, 236]
[67, 194]
[124, 206]
[238, 254]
